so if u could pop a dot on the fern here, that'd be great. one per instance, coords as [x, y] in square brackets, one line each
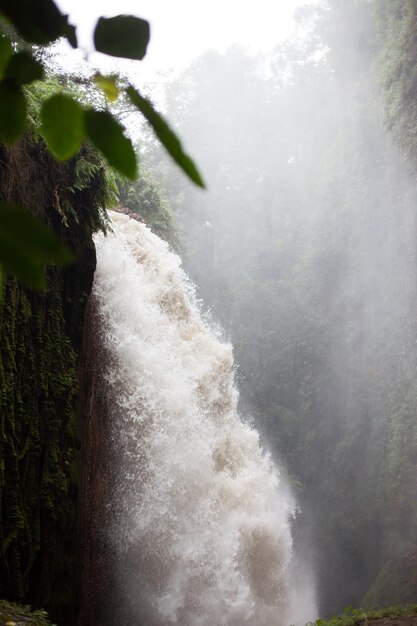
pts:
[85, 171]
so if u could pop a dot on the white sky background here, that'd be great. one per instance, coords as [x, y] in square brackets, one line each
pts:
[183, 29]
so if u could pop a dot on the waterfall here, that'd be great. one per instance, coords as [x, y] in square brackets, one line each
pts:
[195, 518]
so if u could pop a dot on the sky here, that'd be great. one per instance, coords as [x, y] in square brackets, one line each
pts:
[183, 29]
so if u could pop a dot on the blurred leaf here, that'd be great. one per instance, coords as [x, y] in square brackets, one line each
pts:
[6, 52]
[22, 69]
[107, 135]
[26, 245]
[122, 36]
[38, 21]
[108, 85]
[165, 135]
[62, 120]
[13, 112]
[70, 33]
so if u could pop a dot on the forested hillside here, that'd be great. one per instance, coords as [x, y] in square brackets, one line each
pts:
[304, 250]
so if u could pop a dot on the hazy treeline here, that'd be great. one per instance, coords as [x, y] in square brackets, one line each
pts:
[304, 249]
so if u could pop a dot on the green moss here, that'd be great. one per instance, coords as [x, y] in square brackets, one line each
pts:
[146, 198]
[396, 582]
[39, 387]
[10, 612]
[354, 617]
[40, 344]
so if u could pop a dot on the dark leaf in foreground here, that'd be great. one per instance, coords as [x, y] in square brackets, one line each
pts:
[38, 21]
[165, 135]
[26, 245]
[6, 52]
[22, 69]
[122, 36]
[62, 125]
[12, 112]
[108, 136]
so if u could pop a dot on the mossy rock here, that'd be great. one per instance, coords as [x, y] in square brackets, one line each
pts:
[396, 582]
[17, 615]
[40, 422]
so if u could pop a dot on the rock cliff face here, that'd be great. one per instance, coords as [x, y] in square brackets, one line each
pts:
[41, 422]
[98, 588]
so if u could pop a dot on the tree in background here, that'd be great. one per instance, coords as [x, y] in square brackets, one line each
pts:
[396, 22]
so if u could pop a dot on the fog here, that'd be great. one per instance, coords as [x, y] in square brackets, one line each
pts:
[303, 250]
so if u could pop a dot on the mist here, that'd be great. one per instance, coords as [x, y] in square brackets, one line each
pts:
[303, 250]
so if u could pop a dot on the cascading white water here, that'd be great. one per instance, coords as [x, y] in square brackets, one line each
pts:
[197, 519]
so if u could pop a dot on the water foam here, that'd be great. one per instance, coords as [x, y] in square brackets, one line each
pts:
[198, 519]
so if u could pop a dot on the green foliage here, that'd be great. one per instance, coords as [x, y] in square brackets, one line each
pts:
[25, 239]
[11, 613]
[66, 124]
[121, 36]
[13, 111]
[166, 136]
[107, 135]
[19, 69]
[6, 52]
[398, 70]
[354, 617]
[22, 69]
[109, 86]
[26, 246]
[396, 581]
[146, 198]
[38, 385]
[62, 125]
